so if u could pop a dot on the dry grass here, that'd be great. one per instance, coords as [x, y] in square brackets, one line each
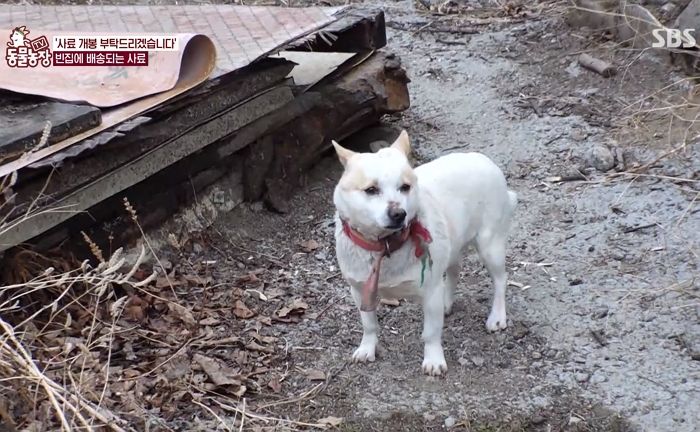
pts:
[102, 344]
[53, 311]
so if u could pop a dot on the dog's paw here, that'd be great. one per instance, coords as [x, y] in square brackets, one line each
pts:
[434, 361]
[448, 309]
[496, 321]
[364, 353]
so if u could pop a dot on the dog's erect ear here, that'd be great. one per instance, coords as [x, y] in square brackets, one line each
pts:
[343, 154]
[402, 143]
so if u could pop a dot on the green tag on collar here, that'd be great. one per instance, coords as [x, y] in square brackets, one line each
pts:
[426, 261]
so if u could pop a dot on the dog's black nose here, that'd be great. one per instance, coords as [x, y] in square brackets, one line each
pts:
[396, 215]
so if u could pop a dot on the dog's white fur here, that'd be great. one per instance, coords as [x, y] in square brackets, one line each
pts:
[461, 198]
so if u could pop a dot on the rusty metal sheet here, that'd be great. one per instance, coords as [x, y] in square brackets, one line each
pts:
[240, 35]
[110, 86]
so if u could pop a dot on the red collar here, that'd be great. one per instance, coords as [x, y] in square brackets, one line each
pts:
[414, 231]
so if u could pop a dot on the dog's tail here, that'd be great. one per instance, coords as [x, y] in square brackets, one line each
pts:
[512, 203]
[513, 200]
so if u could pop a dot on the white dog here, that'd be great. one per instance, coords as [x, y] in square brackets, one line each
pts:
[401, 232]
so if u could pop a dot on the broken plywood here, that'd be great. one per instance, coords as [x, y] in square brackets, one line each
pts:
[311, 67]
[23, 125]
[147, 165]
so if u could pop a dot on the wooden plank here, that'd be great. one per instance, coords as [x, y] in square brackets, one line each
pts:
[24, 121]
[164, 193]
[148, 164]
[355, 31]
[334, 110]
[75, 172]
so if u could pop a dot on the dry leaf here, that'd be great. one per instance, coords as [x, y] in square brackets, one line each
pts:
[298, 304]
[331, 421]
[241, 310]
[260, 294]
[182, 313]
[163, 282]
[315, 375]
[274, 293]
[254, 346]
[218, 373]
[275, 385]
[209, 321]
[310, 245]
[389, 302]
[251, 278]
[297, 307]
[195, 280]
[240, 357]
[134, 313]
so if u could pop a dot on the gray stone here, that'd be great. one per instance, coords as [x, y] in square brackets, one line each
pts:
[598, 378]
[601, 158]
[449, 422]
[582, 377]
[668, 8]
[478, 361]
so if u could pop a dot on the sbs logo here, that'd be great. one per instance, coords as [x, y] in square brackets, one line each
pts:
[673, 38]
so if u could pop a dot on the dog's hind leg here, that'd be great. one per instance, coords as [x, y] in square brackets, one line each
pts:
[370, 331]
[492, 250]
[451, 280]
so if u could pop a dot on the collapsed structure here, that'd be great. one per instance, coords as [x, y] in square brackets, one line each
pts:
[259, 94]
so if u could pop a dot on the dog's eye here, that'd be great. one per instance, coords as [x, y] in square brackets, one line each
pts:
[405, 188]
[372, 190]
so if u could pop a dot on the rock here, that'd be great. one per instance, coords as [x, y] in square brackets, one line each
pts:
[462, 361]
[536, 355]
[578, 134]
[450, 422]
[594, 14]
[601, 312]
[598, 378]
[582, 377]
[198, 249]
[668, 9]
[573, 69]
[478, 361]
[601, 158]
[537, 419]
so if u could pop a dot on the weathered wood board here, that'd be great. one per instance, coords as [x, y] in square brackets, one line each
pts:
[23, 122]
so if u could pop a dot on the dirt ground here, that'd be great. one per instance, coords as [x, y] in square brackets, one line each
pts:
[604, 318]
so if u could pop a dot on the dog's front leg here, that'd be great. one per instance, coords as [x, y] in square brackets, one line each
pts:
[433, 316]
[370, 329]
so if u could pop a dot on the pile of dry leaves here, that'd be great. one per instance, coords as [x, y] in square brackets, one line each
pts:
[126, 345]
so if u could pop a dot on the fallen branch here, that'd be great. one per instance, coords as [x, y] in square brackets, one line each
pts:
[598, 66]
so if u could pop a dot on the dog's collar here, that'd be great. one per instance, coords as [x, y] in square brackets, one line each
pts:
[390, 244]
[387, 245]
